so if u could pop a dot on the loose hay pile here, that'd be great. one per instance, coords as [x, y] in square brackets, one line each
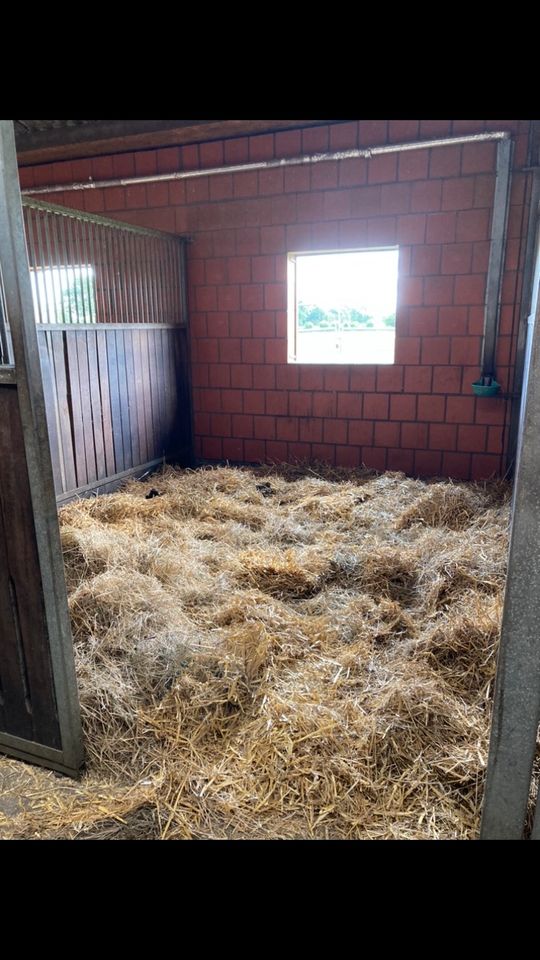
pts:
[263, 655]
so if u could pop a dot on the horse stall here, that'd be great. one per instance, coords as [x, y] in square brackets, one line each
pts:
[299, 638]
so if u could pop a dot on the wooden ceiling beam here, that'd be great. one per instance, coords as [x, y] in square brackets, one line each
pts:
[117, 136]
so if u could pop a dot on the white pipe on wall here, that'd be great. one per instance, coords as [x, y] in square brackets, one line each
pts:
[354, 154]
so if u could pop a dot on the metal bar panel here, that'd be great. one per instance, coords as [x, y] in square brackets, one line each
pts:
[154, 280]
[97, 287]
[53, 273]
[144, 278]
[109, 326]
[87, 285]
[118, 279]
[177, 285]
[123, 267]
[62, 232]
[64, 270]
[71, 214]
[133, 285]
[168, 287]
[110, 267]
[31, 246]
[58, 262]
[40, 274]
[72, 275]
[78, 292]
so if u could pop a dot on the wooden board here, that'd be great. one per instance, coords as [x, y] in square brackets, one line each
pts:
[39, 709]
[29, 708]
[116, 397]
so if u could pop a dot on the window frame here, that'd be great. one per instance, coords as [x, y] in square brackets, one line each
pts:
[292, 316]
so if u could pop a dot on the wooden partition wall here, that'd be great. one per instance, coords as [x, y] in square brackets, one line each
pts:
[111, 318]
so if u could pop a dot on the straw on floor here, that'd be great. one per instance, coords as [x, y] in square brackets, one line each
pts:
[263, 653]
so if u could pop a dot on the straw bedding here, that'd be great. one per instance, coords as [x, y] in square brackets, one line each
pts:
[283, 654]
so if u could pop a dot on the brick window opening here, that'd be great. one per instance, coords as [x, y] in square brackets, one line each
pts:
[342, 306]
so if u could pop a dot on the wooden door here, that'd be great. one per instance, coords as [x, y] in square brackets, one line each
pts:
[39, 710]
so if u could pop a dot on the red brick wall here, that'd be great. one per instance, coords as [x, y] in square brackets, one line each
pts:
[418, 415]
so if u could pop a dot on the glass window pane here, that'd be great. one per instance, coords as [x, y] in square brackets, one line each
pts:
[344, 307]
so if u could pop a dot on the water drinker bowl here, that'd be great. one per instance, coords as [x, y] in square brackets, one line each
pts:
[481, 389]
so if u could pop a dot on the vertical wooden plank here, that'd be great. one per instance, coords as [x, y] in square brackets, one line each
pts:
[16, 708]
[164, 386]
[162, 380]
[154, 388]
[144, 345]
[131, 398]
[166, 336]
[24, 630]
[159, 383]
[64, 407]
[95, 399]
[76, 407]
[84, 383]
[16, 716]
[116, 418]
[108, 440]
[124, 405]
[139, 396]
[51, 410]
